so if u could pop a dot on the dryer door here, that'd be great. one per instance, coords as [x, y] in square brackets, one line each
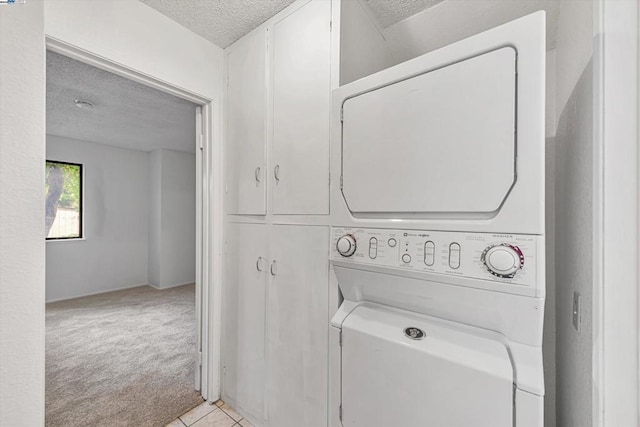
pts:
[448, 377]
[436, 144]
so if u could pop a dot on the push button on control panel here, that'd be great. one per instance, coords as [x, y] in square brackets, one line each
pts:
[392, 242]
[454, 255]
[429, 253]
[373, 248]
[406, 258]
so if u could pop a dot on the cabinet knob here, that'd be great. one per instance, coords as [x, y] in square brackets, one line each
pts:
[274, 268]
[276, 173]
[258, 174]
[259, 263]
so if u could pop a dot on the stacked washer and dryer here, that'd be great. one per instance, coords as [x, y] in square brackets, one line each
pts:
[438, 237]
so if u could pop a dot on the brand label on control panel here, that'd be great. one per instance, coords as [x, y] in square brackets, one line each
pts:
[512, 257]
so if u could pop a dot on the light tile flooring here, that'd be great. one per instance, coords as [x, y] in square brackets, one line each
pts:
[217, 415]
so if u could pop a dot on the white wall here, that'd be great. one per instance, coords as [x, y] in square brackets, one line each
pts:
[132, 33]
[155, 215]
[574, 207]
[363, 49]
[173, 218]
[127, 32]
[451, 21]
[113, 254]
[367, 48]
[22, 122]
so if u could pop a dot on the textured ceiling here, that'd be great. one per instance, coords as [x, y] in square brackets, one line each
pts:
[389, 12]
[125, 114]
[219, 21]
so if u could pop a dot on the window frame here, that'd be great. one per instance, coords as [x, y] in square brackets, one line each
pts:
[80, 202]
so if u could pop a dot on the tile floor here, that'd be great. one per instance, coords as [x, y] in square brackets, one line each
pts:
[217, 415]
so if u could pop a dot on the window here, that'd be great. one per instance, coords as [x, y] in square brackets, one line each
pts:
[63, 190]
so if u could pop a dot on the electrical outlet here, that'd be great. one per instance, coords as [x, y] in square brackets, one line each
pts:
[577, 308]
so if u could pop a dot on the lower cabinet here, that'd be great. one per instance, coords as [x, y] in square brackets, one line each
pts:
[275, 330]
[297, 329]
[244, 318]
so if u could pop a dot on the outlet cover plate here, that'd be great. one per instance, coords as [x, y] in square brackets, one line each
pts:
[577, 308]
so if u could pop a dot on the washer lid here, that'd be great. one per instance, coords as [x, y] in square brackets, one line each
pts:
[439, 143]
[402, 369]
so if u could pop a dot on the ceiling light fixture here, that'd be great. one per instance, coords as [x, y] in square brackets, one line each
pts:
[85, 105]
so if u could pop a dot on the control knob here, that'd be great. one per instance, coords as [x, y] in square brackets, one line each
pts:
[346, 245]
[503, 260]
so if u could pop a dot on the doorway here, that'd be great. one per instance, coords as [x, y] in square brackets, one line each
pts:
[103, 171]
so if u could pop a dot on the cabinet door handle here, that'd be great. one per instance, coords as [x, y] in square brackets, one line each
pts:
[274, 268]
[259, 263]
[258, 174]
[276, 173]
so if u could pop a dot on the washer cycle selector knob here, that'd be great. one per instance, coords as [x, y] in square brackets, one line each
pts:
[503, 260]
[346, 245]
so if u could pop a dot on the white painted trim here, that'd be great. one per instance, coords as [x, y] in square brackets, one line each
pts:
[55, 45]
[215, 239]
[171, 286]
[597, 356]
[616, 343]
[200, 366]
[212, 203]
[88, 294]
[79, 239]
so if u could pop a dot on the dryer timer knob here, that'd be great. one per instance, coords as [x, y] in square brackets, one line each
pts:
[346, 245]
[503, 260]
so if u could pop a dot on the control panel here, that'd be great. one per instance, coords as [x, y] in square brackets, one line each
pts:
[505, 258]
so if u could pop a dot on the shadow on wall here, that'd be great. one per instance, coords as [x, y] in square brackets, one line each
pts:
[574, 235]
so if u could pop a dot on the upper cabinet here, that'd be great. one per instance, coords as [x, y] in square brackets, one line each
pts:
[246, 125]
[300, 76]
[279, 84]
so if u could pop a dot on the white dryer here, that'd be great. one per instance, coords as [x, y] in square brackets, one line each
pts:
[438, 237]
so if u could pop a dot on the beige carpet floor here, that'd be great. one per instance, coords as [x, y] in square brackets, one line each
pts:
[120, 359]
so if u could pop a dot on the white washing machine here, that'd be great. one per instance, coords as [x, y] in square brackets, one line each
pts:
[438, 237]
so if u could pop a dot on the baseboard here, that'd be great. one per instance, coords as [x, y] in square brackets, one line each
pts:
[96, 293]
[171, 286]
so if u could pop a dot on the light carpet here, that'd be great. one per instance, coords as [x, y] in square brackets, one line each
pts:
[123, 358]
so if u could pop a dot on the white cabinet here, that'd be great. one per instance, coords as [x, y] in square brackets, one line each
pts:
[244, 318]
[300, 76]
[246, 125]
[275, 328]
[297, 332]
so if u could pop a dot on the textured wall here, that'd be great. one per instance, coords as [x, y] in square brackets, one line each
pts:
[113, 254]
[574, 211]
[22, 145]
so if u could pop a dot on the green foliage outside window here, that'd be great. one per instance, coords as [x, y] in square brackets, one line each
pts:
[63, 190]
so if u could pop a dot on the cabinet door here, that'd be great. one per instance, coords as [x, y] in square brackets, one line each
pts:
[246, 141]
[244, 317]
[301, 96]
[297, 337]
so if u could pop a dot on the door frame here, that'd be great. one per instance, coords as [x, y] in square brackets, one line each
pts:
[209, 210]
[616, 226]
